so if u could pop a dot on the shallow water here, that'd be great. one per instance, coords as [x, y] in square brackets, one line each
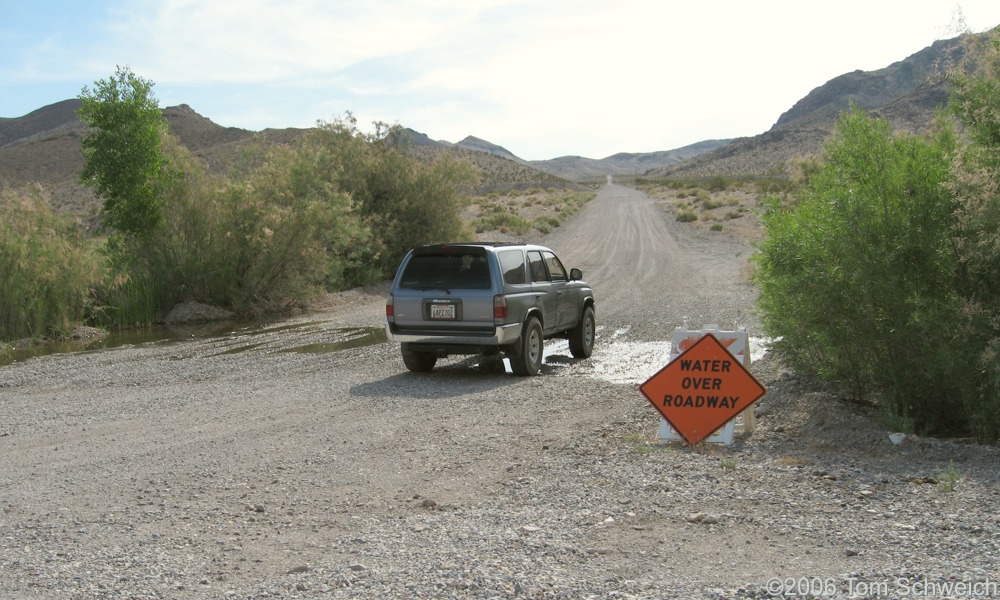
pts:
[346, 337]
[616, 359]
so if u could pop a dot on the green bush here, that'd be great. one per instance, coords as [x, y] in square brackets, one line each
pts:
[686, 215]
[502, 221]
[975, 100]
[712, 203]
[279, 237]
[335, 209]
[405, 202]
[857, 278]
[48, 268]
[718, 184]
[123, 162]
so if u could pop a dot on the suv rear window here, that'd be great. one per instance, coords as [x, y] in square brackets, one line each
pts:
[448, 271]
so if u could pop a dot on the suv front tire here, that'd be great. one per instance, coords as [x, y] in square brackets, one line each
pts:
[581, 337]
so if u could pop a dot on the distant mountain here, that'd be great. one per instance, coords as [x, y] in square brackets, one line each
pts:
[579, 168]
[906, 93]
[44, 146]
[624, 163]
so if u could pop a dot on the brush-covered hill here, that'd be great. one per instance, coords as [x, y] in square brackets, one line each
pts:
[44, 147]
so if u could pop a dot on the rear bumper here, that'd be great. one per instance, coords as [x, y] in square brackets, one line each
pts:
[499, 336]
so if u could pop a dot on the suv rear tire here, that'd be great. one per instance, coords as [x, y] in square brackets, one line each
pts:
[529, 362]
[581, 337]
[416, 361]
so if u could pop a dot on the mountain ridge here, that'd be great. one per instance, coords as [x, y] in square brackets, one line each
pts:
[906, 93]
[44, 145]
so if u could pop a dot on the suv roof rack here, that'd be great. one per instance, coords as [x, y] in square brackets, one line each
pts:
[491, 244]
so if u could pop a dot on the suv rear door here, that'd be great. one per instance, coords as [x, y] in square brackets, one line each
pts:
[445, 288]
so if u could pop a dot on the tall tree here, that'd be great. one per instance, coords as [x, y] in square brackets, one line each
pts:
[125, 164]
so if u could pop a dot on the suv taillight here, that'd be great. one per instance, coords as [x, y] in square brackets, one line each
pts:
[389, 308]
[499, 306]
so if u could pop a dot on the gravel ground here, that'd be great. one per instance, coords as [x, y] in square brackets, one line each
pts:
[301, 460]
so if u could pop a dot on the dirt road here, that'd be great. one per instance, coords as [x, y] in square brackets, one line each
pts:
[653, 273]
[302, 460]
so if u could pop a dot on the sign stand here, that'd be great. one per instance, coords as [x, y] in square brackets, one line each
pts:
[730, 345]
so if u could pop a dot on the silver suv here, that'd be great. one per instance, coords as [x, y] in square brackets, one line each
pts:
[479, 298]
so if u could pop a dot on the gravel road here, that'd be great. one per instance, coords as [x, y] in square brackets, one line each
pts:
[301, 460]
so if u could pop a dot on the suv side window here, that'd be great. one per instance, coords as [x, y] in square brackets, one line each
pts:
[512, 265]
[556, 270]
[537, 264]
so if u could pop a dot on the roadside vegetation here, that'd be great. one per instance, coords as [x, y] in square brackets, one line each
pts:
[880, 273]
[523, 212]
[718, 203]
[49, 266]
[332, 210]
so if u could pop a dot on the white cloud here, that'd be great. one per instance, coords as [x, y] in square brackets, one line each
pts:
[541, 77]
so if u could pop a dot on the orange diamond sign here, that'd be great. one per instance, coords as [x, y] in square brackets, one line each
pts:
[702, 389]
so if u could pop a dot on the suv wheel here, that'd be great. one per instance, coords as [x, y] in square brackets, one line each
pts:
[418, 362]
[529, 362]
[581, 337]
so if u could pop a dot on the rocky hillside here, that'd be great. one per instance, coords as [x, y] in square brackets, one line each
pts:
[906, 93]
[43, 147]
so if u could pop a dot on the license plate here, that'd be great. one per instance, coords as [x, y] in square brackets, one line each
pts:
[442, 311]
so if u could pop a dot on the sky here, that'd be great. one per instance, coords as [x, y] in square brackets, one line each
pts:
[542, 78]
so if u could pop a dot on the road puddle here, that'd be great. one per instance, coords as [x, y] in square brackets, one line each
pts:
[240, 337]
[616, 359]
[619, 360]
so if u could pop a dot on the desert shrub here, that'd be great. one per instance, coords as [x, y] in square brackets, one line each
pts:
[857, 277]
[686, 215]
[975, 101]
[716, 227]
[711, 203]
[406, 202]
[775, 185]
[48, 267]
[277, 238]
[718, 183]
[572, 202]
[502, 221]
